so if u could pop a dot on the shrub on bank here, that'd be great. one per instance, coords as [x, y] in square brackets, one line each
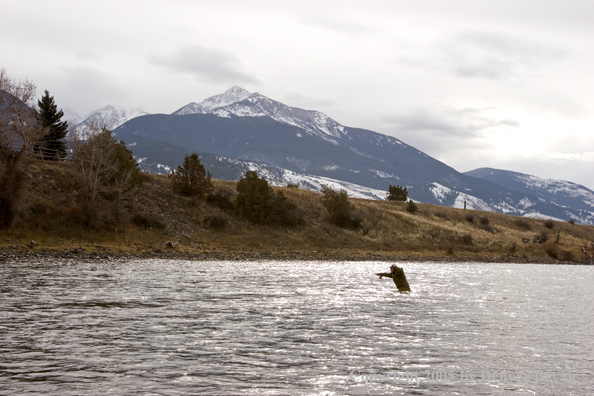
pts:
[258, 203]
[221, 198]
[523, 223]
[338, 206]
[215, 222]
[541, 237]
[411, 206]
[550, 224]
[148, 220]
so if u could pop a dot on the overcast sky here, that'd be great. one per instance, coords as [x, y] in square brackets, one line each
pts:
[505, 84]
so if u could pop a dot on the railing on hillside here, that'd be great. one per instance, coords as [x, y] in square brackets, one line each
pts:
[43, 153]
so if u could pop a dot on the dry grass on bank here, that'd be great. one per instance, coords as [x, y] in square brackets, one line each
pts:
[53, 218]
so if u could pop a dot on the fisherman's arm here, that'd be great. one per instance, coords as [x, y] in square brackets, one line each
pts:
[389, 275]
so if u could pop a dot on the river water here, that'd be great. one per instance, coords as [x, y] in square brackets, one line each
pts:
[168, 327]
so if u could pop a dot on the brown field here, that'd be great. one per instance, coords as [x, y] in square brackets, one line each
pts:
[154, 215]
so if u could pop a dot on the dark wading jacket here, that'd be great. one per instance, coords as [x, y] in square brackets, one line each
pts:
[399, 279]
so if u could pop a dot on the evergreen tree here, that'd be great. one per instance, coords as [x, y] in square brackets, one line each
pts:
[411, 206]
[52, 145]
[254, 199]
[191, 179]
[257, 202]
[340, 209]
[397, 193]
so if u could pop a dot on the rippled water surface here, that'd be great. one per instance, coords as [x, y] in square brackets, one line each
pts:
[181, 327]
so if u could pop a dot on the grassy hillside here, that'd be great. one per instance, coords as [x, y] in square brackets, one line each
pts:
[53, 221]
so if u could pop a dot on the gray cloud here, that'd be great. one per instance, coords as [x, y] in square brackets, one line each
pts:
[488, 55]
[212, 63]
[304, 100]
[85, 55]
[348, 28]
[86, 88]
[488, 67]
[511, 47]
[455, 136]
[447, 122]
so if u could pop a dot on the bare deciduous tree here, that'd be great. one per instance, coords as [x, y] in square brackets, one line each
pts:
[94, 163]
[107, 173]
[18, 132]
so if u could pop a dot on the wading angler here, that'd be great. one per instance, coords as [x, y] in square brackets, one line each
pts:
[397, 274]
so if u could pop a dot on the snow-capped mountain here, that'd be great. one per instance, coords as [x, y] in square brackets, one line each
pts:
[239, 102]
[71, 116]
[109, 116]
[252, 128]
[562, 193]
[232, 95]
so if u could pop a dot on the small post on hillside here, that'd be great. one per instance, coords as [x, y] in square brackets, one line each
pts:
[464, 205]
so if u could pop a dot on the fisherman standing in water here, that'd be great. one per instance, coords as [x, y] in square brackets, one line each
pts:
[397, 274]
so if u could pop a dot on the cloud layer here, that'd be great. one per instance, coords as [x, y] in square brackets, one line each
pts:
[206, 63]
[501, 84]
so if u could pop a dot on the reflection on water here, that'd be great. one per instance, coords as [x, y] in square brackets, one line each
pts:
[179, 327]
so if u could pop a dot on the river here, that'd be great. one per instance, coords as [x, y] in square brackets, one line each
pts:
[328, 328]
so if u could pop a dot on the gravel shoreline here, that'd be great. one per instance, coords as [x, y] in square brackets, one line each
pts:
[15, 254]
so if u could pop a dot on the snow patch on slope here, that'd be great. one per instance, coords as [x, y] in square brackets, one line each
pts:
[440, 192]
[472, 203]
[315, 183]
[383, 175]
[526, 203]
[536, 215]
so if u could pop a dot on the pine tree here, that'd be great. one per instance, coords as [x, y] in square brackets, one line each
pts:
[257, 202]
[254, 198]
[411, 206]
[397, 193]
[52, 145]
[338, 205]
[191, 179]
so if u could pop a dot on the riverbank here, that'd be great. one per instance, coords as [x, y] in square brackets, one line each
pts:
[82, 254]
[154, 222]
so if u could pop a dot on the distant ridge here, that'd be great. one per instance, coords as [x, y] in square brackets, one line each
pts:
[562, 193]
[250, 127]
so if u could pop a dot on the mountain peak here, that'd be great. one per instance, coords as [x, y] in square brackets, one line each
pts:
[242, 103]
[237, 90]
[109, 116]
[232, 95]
